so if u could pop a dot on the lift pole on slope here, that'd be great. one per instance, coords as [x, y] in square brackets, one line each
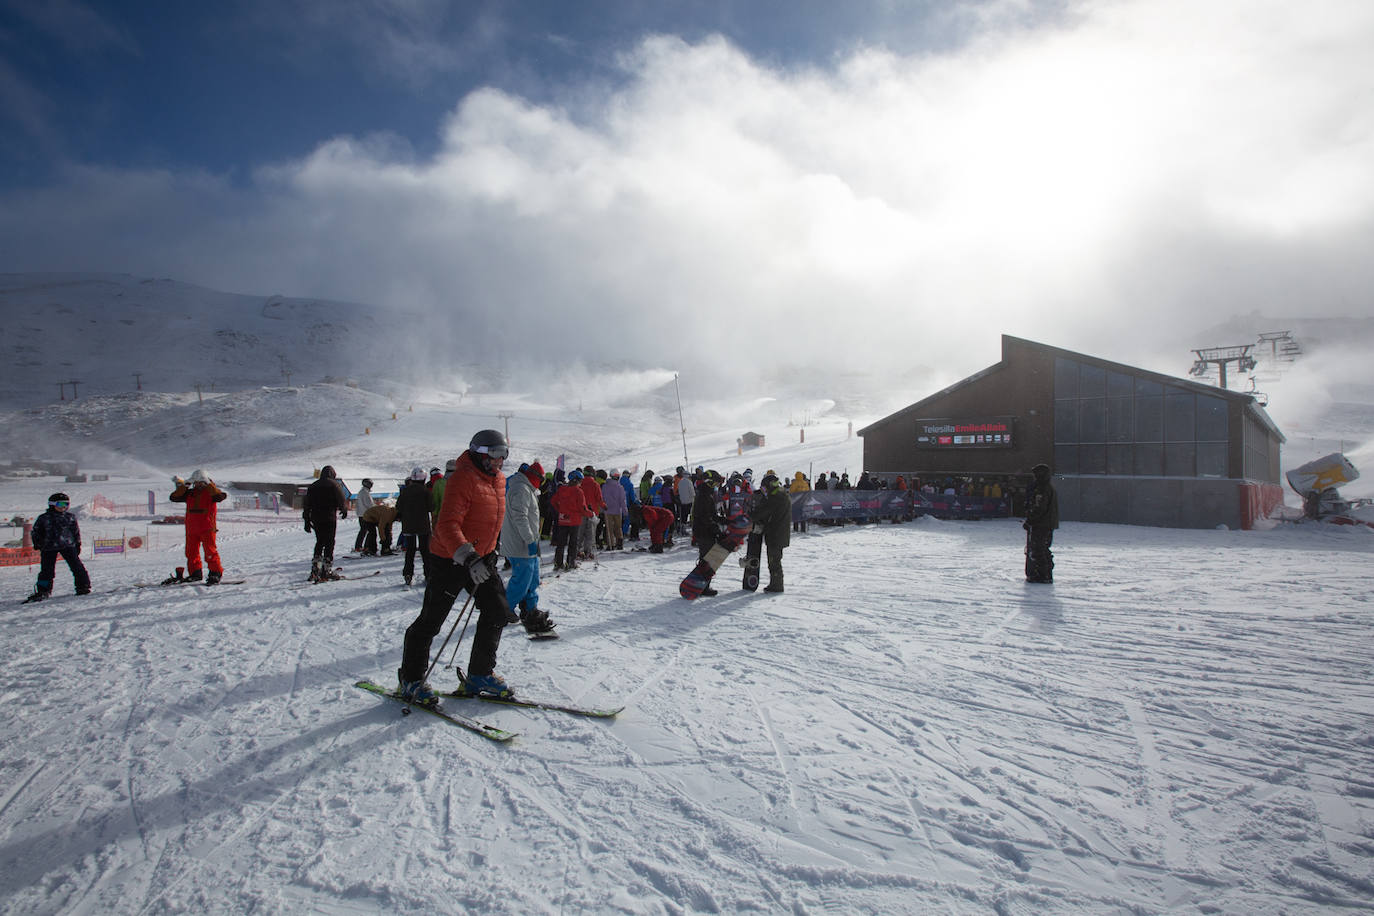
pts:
[687, 465]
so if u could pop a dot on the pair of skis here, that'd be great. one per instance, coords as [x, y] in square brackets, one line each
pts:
[485, 729]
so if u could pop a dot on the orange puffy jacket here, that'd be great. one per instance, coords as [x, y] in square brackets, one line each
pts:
[472, 512]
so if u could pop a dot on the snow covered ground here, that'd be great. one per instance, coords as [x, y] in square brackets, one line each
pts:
[1182, 722]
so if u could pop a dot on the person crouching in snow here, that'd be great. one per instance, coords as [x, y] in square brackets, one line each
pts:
[201, 497]
[55, 533]
[520, 545]
[463, 556]
[658, 520]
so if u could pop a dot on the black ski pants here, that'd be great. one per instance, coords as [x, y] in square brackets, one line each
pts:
[416, 541]
[446, 580]
[47, 568]
[324, 541]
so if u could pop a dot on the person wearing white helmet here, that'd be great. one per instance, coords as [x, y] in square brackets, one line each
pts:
[412, 505]
[201, 497]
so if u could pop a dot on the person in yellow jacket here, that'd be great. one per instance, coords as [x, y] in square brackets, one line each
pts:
[799, 484]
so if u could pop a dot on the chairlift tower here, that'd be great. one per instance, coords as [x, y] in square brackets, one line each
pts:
[1221, 357]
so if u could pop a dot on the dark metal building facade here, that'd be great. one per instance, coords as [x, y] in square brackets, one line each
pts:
[1127, 445]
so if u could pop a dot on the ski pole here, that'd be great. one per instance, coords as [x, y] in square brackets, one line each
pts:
[464, 632]
[438, 655]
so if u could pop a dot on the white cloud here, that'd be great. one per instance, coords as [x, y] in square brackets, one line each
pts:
[1106, 183]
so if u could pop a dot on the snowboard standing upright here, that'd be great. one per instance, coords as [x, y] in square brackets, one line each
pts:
[753, 555]
[736, 531]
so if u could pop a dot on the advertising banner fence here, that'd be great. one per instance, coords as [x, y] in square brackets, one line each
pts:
[846, 504]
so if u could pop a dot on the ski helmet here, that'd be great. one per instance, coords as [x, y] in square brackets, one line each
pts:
[199, 476]
[574, 475]
[61, 498]
[367, 483]
[418, 473]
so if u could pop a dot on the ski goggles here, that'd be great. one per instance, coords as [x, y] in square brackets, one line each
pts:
[59, 503]
[499, 452]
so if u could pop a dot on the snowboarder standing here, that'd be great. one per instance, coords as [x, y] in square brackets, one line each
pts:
[520, 545]
[412, 504]
[201, 497]
[323, 498]
[570, 506]
[772, 517]
[56, 532]
[1042, 518]
[464, 557]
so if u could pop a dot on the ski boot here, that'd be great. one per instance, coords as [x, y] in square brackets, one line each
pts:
[417, 692]
[195, 576]
[39, 594]
[84, 590]
[537, 621]
[484, 685]
[213, 578]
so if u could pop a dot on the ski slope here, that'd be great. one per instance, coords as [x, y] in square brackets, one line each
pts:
[1181, 723]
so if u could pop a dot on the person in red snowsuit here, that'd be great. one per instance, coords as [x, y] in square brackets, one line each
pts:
[201, 497]
[659, 521]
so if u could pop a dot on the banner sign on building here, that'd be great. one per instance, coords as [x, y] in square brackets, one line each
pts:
[843, 504]
[965, 432]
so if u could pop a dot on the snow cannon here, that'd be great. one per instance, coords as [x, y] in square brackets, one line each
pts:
[1316, 482]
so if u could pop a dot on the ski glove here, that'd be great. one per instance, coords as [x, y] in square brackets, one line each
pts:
[466, 557]
[534, 549]
[308, 529]
[343, 513]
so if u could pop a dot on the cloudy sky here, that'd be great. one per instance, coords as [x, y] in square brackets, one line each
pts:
[780, 183]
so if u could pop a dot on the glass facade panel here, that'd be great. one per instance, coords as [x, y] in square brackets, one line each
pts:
[1119, 419]
[1092, 420]
[1065, 378]
[1066, 459]
[1066, 421]
[1149, 459]
[1149, 419]
[1119, 460]
[1179, 459]
[1212, 419]
[1147, 388]
[1180, 417]
[1120, 385]
[1092, 381]
[1211, 459]
[1092, 459]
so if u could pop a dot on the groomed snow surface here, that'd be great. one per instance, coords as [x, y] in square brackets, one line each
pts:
[1181, 723]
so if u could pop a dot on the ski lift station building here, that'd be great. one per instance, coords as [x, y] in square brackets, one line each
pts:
[1126, 445]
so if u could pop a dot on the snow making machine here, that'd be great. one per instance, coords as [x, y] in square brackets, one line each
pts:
[1316, 482]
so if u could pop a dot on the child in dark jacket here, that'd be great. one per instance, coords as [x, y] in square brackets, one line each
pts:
[55, 533]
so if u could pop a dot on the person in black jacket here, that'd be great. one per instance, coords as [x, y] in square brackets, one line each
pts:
[56, 533]
[1042, 518]
[772, 517]
[412, 505]
[323, 498]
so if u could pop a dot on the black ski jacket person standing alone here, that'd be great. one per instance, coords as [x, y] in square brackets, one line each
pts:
[1042, 518]
[323, 499]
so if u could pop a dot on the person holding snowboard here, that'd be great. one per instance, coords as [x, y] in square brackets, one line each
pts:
[463, 549]
[56, 533]
[1042, 518]
[520, 545]
[323, 498]
[201, 497]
